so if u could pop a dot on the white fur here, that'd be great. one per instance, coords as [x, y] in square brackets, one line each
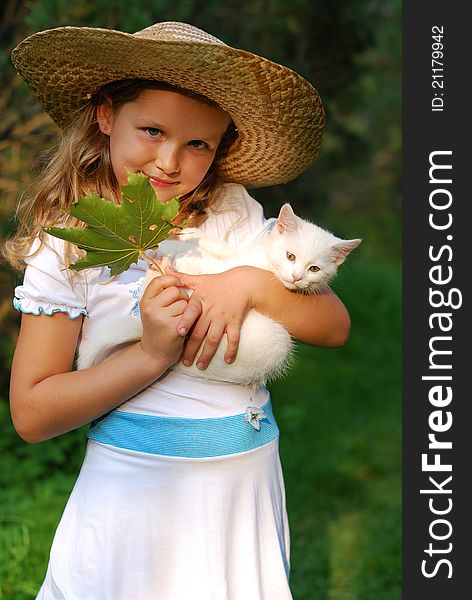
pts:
[265, 347]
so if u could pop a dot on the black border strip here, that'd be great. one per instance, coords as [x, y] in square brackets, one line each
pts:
[436, 264]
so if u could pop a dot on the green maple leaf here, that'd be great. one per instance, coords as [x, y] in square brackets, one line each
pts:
[116, 235]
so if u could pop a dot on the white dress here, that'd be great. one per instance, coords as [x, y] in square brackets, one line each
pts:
[181, 493]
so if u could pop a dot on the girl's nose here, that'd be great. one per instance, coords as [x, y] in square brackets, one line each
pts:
[167, 159]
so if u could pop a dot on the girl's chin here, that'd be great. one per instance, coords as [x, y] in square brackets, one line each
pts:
[163, 195]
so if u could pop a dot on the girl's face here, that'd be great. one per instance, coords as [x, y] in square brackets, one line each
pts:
[169, 137]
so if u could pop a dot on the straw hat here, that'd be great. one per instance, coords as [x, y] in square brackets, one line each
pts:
[278, 114]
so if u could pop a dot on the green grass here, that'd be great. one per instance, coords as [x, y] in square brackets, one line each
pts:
[339, 414]
[29, 518]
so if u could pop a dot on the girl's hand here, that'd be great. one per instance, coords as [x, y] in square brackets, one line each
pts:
[162, 306]
[318, 320]
[218, 305]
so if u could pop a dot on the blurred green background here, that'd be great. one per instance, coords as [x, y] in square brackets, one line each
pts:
[339, 410]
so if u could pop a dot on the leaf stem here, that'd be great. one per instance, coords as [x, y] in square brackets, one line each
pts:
[151, 261]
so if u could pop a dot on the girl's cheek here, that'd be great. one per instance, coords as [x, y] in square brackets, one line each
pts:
[205, 163]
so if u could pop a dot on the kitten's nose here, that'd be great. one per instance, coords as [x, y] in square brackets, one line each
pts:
[296, 277]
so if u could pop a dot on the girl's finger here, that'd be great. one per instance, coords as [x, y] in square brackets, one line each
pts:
[203, 341]
[233, 335]
[194, 341]
[192, 312]
[164, 300]
[190, 281]
[176, 308]
[213, 338]
[158, 284]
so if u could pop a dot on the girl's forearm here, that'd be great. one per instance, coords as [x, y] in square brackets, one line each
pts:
[65, 401]
[318, 320]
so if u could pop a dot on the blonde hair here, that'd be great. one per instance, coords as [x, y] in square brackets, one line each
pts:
[80, 164]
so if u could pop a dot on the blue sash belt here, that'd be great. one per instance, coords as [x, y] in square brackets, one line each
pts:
[191, 438]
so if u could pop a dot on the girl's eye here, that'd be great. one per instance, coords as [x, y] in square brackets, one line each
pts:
[314, 269]
[291, 256]
[198, 144]
[153, 131]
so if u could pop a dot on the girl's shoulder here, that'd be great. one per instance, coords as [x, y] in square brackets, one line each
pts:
[52, 257]
[234, 216]
[234, 197]
[47, 251]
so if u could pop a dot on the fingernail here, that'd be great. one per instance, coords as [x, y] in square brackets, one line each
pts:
[200, 365]
[229, 360]
[182, 331]
[187, 363]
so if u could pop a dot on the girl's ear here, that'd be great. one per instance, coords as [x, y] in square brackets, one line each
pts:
[105, 116]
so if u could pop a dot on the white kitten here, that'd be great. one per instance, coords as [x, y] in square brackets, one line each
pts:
[302, 255]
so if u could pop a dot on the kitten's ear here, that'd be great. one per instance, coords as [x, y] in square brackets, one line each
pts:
[286, 221]
[342, 249]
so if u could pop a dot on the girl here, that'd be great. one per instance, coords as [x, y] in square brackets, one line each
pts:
[179, 496]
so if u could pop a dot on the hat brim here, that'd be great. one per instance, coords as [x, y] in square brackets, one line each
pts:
[278, 114]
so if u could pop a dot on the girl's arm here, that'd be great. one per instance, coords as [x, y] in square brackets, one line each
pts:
[220, 302]
[48, 399]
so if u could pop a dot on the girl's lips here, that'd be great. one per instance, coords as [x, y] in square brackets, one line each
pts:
[155, 181]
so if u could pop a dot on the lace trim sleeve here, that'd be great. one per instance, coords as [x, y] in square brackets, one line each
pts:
[34, 307]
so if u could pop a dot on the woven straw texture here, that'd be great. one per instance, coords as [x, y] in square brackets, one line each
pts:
[278, 114]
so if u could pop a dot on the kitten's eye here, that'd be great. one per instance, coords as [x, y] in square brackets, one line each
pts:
[291, 256]
[314, 269]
